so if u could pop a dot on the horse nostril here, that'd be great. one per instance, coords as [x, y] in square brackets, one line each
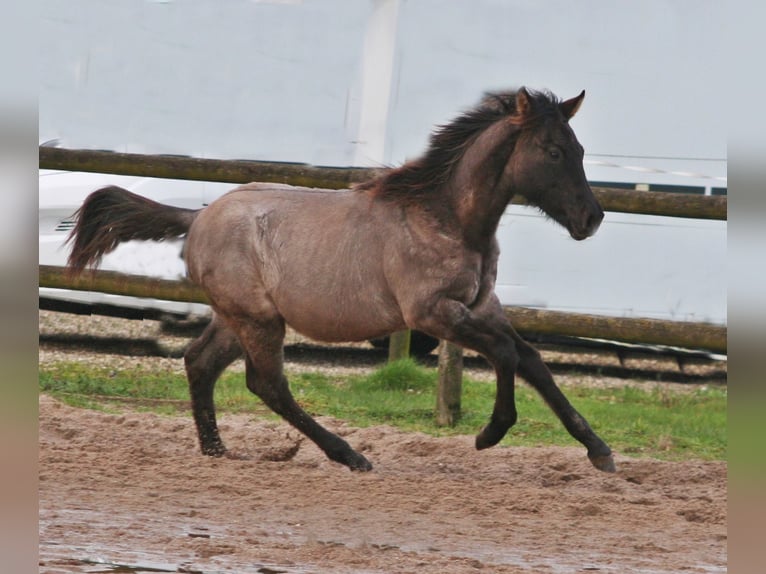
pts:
[594, 221]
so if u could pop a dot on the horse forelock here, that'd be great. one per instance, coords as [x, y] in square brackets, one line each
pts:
[424, 175]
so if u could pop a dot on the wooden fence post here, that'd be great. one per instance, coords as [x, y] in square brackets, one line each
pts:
[399, 345]
[450, 384]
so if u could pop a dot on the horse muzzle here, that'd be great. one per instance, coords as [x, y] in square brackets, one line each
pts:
[587, 224]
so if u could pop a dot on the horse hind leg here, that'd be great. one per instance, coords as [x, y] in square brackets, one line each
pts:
[205, 360]
[265, 378]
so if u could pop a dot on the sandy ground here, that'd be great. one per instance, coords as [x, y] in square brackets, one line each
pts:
[130, 492]
[131, 489]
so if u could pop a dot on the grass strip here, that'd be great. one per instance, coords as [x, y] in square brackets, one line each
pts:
[653, 422]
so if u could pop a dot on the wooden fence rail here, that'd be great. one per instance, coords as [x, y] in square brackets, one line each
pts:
[646, 331]
[241, 171]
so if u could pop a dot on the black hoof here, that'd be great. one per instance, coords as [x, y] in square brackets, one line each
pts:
[483, 442]
[215, 450]
[358, 463]
[604, 462]
[489, 437]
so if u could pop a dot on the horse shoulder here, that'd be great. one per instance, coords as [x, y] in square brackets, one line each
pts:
[427, 260]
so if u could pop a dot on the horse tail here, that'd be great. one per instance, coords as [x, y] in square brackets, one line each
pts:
[112, 215]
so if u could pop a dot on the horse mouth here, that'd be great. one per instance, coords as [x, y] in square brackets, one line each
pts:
[580, 226]
[584, 229]
[580, 232]
[579, 235]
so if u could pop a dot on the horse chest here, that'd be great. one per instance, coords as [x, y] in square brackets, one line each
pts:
[457, 275]
[466, 288]
[472, 277]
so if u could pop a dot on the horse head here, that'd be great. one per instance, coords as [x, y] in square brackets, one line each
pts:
[546, 166]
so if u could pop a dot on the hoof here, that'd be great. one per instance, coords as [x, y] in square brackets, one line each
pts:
[344, 454]
[488, 438]
[217, 450]
[358, 463]
[604, 463]
[482, 442]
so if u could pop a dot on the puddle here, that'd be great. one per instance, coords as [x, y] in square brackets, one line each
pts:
[91, 566]
[55, 559]
[119, 557]
[94, 566]
[99, 567]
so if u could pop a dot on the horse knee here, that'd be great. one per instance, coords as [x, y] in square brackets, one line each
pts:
[530, 355]
[505, 357]
[534, 370]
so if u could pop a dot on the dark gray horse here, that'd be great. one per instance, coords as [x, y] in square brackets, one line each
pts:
[414, 247]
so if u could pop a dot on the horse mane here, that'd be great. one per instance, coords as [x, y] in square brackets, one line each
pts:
[427, 173]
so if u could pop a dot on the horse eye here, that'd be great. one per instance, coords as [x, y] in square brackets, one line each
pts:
[554, 154]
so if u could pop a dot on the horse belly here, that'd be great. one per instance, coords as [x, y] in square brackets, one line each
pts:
[360, 317]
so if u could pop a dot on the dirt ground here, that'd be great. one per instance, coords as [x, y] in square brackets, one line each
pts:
[131, 493]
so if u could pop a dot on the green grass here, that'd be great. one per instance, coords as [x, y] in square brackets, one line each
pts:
[663, 424]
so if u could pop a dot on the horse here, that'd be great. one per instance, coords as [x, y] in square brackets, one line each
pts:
[412, 247]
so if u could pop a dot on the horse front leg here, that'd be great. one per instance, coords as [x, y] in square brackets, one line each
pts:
[205, 360]
[537, 374]
[487, 334]
[486, 330]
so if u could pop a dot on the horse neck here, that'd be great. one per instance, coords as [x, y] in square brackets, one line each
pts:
[479, 189]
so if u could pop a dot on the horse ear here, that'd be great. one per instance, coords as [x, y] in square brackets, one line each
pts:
[569, 108]
[523, 104]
